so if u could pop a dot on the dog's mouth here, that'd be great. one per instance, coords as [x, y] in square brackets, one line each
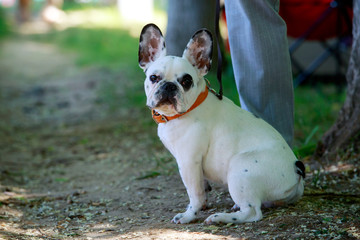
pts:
[169, 100]
[166, 95]
[166, 99]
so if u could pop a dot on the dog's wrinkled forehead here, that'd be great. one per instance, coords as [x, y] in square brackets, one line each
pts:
[171, 67]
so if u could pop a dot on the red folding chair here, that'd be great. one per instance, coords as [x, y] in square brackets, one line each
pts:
[318, 20]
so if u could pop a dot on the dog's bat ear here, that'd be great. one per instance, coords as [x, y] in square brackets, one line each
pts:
[199, 51]
[151, 45]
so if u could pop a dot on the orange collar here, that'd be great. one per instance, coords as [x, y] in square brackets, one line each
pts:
[158, 118]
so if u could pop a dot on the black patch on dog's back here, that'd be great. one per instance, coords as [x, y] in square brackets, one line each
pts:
[300, 168]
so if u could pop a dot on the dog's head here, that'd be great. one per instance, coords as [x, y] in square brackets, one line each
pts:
[172, 83]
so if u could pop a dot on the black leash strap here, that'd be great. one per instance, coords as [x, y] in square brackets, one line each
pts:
[218, 39]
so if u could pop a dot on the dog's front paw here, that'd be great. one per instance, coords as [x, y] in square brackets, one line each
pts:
[182, 218]
[177, 218]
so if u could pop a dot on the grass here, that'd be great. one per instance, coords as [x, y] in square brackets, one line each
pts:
[107, 47]
[316, 108]
[4, 27]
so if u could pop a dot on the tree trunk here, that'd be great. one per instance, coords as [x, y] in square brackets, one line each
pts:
[185, 17]
[23, 11]
[347, 125]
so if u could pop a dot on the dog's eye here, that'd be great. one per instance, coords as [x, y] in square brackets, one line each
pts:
[186, 82]
[154, 78]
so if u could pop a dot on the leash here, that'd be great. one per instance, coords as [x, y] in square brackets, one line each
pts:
[219, 62]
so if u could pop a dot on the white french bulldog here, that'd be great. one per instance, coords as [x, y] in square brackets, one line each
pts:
[214, 139]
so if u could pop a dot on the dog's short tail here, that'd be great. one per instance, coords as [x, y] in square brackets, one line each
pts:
[298, 189]
[300, 169]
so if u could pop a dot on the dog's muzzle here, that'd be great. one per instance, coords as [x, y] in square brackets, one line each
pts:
[166, 94]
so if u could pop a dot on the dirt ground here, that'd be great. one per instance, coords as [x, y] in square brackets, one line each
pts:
[76, 165]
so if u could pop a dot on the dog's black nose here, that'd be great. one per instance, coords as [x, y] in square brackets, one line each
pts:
[167, 93]
[169, 87]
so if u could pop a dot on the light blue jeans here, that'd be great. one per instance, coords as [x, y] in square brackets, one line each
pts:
[261, 62]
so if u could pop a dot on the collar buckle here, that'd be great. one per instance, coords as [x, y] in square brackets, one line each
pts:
[164, 118]
[156, 116]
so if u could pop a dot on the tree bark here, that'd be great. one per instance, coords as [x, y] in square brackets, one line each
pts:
[347, 125]
[23, 11]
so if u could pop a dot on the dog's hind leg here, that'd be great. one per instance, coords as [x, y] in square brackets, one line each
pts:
[249, 203]
[246, 195]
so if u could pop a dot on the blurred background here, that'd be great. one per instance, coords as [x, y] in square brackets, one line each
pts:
[79, 152]
[90, 47]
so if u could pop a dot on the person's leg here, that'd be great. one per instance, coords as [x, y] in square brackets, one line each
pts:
[261, 61]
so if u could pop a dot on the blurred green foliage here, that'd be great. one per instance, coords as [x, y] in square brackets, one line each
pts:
[4, 28]
[316, 108]
[75, 5]
[108, 47]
